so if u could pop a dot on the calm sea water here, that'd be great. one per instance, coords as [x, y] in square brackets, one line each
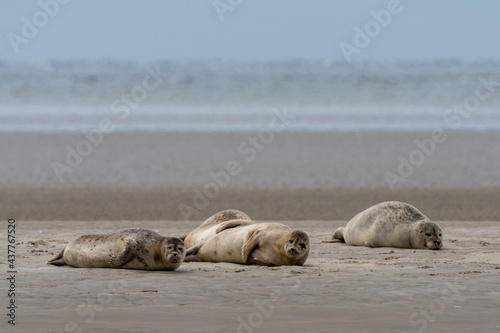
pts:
[231, 96]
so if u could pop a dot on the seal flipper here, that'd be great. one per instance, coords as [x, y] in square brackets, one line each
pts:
[251, 244]
[58, 259]
[193, 250]
[192, 259]
[122, 258]
[183, 237]
[267, 263]
[232, 224]
[339, 235]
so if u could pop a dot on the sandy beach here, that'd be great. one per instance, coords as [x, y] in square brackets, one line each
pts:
[311, 181]
[340, 288]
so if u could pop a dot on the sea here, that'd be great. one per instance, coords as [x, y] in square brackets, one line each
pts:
[217, 95]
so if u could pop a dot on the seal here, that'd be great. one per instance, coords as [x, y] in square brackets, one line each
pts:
[130, 249]
[391, 224]
[209, 227]
[266, 244]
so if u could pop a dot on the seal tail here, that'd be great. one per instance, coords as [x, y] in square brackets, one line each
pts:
[58, 259]
[339, 235]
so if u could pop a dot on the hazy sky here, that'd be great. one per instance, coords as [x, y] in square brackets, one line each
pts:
[250, 29]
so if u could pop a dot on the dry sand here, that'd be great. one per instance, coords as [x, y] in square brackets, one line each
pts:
[340, 289]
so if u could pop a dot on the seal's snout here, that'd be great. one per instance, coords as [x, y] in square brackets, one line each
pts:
[434, 244]
[293, 251]
[174, 257]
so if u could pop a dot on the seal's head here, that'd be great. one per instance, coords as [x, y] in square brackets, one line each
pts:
[173, 251]
[430, 235]
[297, 245]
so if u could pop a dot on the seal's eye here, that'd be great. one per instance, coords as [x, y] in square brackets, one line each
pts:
[440, 235]
[302, 245]
[428, 234]
[290, 241]
[169, 248]
[180, 249]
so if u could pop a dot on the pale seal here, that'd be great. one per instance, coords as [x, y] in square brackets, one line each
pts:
[391, 224]
[267, 244]
[131, 249]
[209, 227]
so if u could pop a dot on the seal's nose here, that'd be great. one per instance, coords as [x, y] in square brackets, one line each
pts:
[293, 250]
[438, 243]
[174, 254]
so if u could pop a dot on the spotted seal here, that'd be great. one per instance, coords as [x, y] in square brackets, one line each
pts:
[391, 224]
[131, 249]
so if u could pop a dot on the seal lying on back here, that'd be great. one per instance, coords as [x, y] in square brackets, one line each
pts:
[209, 227]
[131, 248]
[391, 224]
[267, 244]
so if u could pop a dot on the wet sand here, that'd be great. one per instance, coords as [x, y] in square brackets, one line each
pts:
[291, 160]
[296, 176]
[164, 204]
